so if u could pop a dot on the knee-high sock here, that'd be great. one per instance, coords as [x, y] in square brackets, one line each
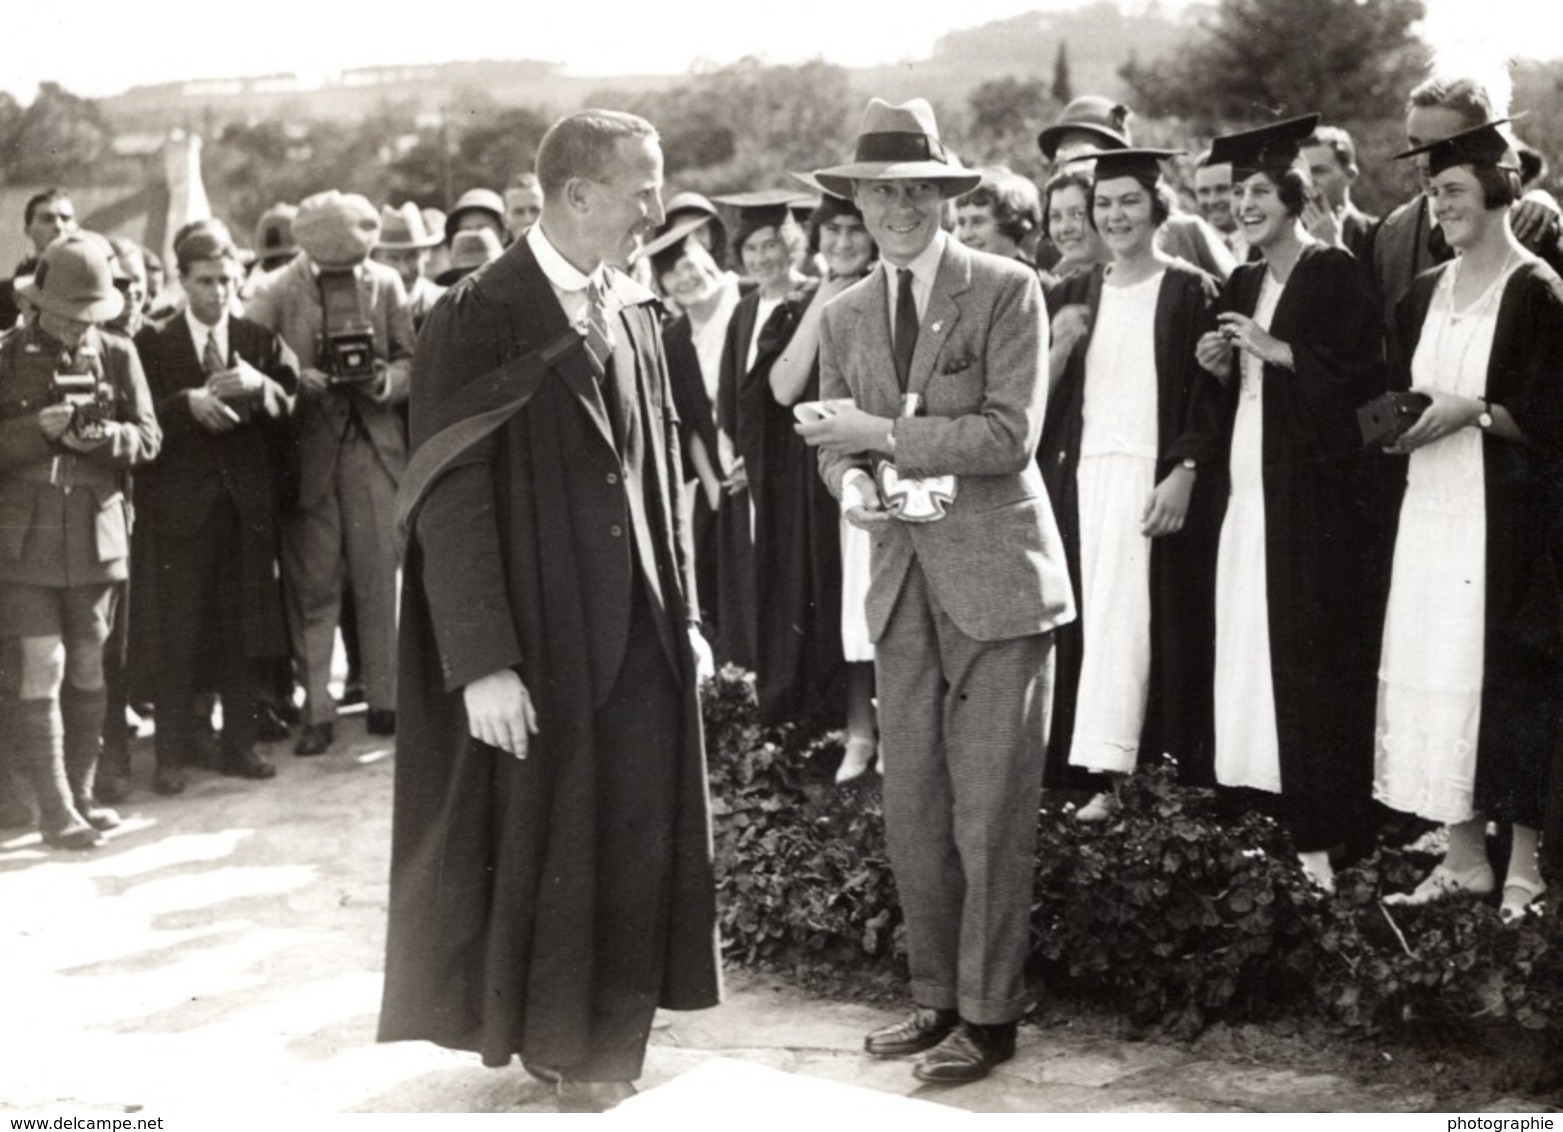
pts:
[81, 712]
[40, 753]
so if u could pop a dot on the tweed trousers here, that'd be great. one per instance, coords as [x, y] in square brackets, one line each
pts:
[963, 731]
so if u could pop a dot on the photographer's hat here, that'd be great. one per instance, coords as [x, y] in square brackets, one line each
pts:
[899, 143]
[75, 279]
[336, 229]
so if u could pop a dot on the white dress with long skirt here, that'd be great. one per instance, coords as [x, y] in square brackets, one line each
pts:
[1430, 671]
[1248, 750]
[1117, 473]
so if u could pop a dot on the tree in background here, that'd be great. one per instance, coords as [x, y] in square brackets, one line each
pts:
[1260, 59]
[1003, 116]
[1063, 89]
[60, 138]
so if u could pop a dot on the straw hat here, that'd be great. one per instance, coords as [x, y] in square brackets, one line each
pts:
[403, 229]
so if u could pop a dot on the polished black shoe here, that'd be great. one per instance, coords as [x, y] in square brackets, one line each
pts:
[248, 763]
[380, 721]
[968, 1054]
[168, 780]
[924, 1029]
[269, 726]
[315, 739]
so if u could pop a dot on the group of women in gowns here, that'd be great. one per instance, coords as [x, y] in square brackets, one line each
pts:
[1263, 599]
[1251, 643]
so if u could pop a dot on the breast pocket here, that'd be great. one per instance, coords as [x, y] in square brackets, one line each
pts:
[112, 527]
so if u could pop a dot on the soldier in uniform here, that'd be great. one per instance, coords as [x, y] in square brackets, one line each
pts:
[74, 415]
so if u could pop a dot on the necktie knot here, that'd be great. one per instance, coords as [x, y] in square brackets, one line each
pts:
[599, 340]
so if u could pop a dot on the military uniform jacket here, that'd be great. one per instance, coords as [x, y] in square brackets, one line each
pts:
[65, 515]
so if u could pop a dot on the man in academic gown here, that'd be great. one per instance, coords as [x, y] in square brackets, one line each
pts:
[551, 877]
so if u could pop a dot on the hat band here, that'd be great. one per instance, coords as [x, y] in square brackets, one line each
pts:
[900, 146]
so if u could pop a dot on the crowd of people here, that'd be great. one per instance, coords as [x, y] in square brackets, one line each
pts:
[1229, 472]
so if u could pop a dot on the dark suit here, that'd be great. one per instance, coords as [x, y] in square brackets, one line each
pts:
[545, 907]
[206, 587]
[961, 611]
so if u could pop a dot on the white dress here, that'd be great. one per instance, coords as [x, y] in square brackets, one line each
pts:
[1117, 473]
[856, 645]
[1248, 749]
[1430, 672]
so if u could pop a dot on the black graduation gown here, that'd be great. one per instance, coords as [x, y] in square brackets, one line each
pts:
[1182, 571]
[1324, 538]
[798, 662]
[1521, 644]
[494, 860]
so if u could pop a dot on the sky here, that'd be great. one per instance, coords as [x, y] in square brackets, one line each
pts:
[101, 47]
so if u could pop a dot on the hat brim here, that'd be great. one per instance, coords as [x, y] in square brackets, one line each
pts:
[953, 180]
[672, 236]
[99, 310]
[1048, 139]
[431, 241]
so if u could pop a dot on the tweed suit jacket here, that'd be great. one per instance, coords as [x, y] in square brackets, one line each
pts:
[995, 562]
[288, 303]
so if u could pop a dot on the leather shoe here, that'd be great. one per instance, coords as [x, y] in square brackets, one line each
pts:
[380, 721]
[315, 739]
[924, 1029]
[74, 835]
[168, 780]
[248, 763]
[968, 1054]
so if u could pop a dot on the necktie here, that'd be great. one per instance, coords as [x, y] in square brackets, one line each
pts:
[905, 328]
[211, 357]
[599, 343]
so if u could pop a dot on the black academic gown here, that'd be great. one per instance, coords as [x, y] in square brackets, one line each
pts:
[1521, 645]
[522, 558]
[798, 662]
[1324, 538]
[1182, 572]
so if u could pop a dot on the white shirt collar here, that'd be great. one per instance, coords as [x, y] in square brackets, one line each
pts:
[199, 331]
[925, 265]
[563, 274]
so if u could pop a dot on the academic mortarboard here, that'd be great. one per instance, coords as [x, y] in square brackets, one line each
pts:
[1484, 145]
[1275, 146]
[765, 207]
[1143, 164]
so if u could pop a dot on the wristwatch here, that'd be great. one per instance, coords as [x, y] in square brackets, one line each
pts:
[1484, 418]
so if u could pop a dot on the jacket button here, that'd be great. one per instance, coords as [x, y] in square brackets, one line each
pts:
[613, 477]
[616, 531]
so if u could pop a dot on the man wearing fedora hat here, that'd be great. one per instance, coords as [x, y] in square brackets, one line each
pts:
[405, 244]
[74, 415]
[943, 353]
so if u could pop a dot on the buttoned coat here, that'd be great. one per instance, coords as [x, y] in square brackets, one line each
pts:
[995, 562]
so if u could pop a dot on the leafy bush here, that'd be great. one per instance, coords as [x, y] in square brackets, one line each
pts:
[1177, 912]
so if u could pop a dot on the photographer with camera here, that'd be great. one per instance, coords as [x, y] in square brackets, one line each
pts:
[74, 414]
[347, 319]
[209, 514]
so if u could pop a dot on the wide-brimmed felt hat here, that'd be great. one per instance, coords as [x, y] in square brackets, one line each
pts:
[669, 235]
[75, 279]
[1104, 119]
[475, 200]
[403, 229]
[899, 143]
[336, 229]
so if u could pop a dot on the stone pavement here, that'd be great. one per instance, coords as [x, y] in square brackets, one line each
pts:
[221, 953]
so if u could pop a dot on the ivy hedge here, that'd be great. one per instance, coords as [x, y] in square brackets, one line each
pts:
[1177, 913]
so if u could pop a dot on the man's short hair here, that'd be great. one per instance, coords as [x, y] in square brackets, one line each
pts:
[204, 243]
[1340, 144]
[586, 145]
[526, 179]
[1013, 200]
[1464, 95]
[38, 200]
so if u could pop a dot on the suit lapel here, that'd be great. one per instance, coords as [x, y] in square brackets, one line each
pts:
[536, 306]
[942, 314]
[873, 337]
